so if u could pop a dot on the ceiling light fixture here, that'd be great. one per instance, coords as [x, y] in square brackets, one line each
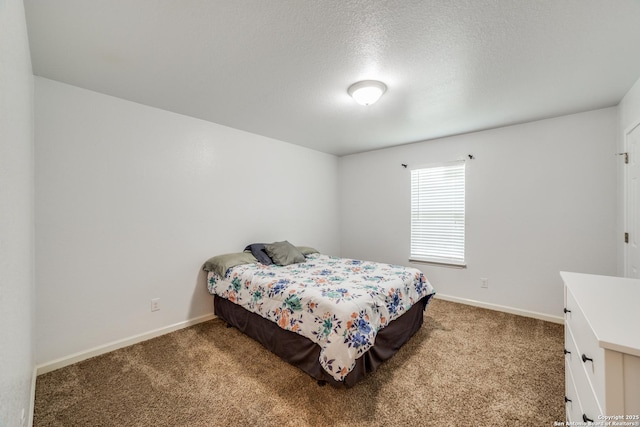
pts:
[367, 92]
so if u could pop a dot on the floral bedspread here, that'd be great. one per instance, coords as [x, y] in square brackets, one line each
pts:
[338, 303]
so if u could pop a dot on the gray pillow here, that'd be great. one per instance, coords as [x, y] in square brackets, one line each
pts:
[307, 250]
[257, 249]
[284, 253]
[222, 263]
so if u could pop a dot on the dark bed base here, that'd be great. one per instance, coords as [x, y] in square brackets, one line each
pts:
[304, 353]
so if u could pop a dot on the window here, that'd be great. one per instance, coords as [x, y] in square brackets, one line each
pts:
[437, 214]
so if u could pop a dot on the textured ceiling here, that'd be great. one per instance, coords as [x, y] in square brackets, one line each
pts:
[281, 68]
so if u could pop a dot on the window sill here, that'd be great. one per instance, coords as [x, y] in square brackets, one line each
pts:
[438, 263]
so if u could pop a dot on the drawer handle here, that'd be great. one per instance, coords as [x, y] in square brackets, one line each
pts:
[586, 419]
[566, 399]
[566, 310]
[585, 358]
[566, 351]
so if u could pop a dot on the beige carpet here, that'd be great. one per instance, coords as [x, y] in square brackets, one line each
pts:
[466, 367]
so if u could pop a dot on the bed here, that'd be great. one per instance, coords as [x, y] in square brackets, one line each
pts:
[335, 318]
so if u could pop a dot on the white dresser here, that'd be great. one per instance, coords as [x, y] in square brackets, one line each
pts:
[602, 348]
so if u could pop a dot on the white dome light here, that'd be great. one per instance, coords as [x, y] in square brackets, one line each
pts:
[367, 92]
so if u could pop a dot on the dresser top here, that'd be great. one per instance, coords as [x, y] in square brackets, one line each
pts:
[611, 306]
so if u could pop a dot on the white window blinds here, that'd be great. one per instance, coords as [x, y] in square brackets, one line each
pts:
[437, 214]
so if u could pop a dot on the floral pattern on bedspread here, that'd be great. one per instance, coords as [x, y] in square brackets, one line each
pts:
[338, 303]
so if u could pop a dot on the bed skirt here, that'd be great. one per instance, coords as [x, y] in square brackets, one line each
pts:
[304, 353]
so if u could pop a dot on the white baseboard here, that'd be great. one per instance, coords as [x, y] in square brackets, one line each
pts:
[505, 309]
[96, 351]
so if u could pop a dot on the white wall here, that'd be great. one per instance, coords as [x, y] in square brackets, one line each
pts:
[16, 215]
[629, 113]
[131, 200]
[541, 197]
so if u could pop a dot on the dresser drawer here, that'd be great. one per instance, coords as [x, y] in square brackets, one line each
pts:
[586, 346]
[588, 402]
[573, 408]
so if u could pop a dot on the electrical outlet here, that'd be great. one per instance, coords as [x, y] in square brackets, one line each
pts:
[484, 282]
[155, 304]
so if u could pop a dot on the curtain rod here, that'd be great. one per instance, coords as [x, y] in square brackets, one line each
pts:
[471, 157]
